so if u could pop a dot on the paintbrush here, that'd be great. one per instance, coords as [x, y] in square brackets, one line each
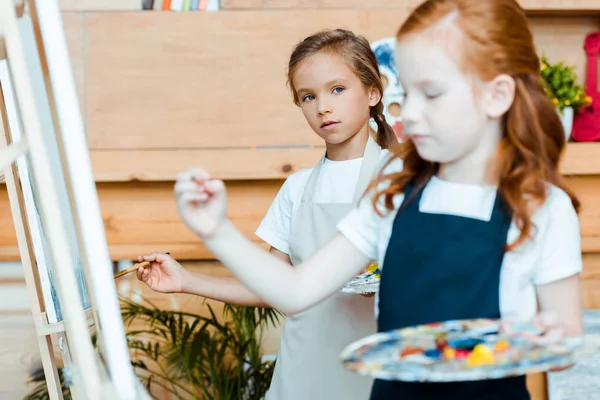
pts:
[132, 268]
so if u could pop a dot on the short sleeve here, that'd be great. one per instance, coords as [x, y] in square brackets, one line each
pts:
[560, 240]
[361, 227]
[275, 227]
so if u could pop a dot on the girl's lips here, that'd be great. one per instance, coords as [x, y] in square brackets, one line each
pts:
[328, 125]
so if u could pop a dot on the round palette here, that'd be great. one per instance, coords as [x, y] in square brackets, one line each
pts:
[365, 283]
[461, 350]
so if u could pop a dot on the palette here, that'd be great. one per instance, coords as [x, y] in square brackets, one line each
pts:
[365, 283]
[461, 350]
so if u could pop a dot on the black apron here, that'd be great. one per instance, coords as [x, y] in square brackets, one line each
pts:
[441, 267]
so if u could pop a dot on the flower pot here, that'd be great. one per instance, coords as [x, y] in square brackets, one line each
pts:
[566, 118]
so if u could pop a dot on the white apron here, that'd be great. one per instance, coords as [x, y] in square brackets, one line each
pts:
[308, 365]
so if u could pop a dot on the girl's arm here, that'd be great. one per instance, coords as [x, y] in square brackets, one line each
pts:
[562, 299]
[166, 275]
[202, 205]
[560, 310]
[227, 289]
[289, 289]
[557, 277]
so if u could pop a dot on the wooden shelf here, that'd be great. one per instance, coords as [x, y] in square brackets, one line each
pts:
[144, 89]
[247, 164]
[581, 159]
[582, 6]
[226, 163]
[142, 216]
[100, 5]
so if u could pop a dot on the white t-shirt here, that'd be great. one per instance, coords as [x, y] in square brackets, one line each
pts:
[552, 254]
[336, 184]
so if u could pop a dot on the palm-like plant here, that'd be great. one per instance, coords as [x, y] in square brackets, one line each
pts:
[192, 356]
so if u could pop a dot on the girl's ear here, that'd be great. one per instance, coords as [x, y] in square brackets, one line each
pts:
[374, 97]
[499, 96]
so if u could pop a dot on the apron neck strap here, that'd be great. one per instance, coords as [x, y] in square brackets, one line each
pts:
[368, 167]
[311, 185]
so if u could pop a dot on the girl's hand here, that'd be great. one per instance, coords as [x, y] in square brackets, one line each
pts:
[547, 323]
[550, 326]
[201, 202]
[164, 274]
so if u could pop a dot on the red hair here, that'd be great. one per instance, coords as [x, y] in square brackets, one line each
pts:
[495, 40]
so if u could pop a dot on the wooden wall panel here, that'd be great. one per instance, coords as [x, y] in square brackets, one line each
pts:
[74, 31]
[530, 5]
[581, 159]
[164, 165]
[561, 39]
[275, 163]
[146, 90]
[142, 217]
[591, 280]
[587, 189]
[217, 79]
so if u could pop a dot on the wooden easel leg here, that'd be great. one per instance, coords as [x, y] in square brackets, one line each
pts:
[50, 368]
[63, 345]
[19, 214]
[83, 353]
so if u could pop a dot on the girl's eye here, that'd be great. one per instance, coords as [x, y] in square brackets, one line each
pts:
[338, 90]
[432, 95]
[308, 97]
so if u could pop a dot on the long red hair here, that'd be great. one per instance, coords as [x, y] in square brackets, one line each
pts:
[496, 40]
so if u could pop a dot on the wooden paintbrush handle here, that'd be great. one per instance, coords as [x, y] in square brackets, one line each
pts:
[132, 268]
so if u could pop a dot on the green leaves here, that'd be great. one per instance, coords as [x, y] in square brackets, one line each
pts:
[193, 356]
[561, 85]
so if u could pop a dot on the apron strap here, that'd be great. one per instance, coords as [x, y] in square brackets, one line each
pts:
[367, 169]
[313, 179]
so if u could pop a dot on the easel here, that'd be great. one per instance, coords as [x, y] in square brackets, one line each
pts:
[93, 376]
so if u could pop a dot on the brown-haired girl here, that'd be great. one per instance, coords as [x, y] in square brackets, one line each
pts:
[334, 79]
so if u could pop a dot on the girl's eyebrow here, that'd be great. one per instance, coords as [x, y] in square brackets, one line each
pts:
[328, 83]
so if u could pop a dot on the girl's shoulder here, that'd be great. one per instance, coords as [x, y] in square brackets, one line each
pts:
[557, 201]
[294, 184]
[389, 167]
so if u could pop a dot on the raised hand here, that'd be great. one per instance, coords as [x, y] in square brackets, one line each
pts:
[201, 201]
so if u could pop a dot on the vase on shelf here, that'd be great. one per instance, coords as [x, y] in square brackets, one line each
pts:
[566, 117]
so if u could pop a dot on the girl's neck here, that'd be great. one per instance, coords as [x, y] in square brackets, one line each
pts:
[467, 173]
[479, 167]
[350, 149]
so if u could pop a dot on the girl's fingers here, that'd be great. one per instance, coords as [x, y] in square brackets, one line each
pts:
[199, 175]
[552, 335]
[193, 174]
[146, 273]
[194, 198]
[214, 186]
[186, 186]
[150, 257]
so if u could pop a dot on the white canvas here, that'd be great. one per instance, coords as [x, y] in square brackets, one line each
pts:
[38, 237]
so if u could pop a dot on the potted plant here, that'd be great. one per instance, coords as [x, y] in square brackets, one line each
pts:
[561, 86]
[189, 356]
